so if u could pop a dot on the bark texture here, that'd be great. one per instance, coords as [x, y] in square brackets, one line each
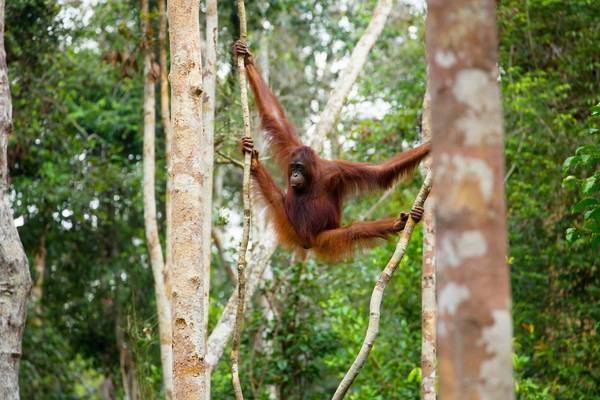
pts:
[474, 326]
[191, 200]
[150, 224]
[377, 296]
[428, 306]
[15, 281]
[338, 96]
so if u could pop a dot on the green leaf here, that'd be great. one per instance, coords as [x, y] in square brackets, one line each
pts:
[571, 235]
[414, 375]
[569, 182]
[593, 214]
[587, 149]
[569, 162]
[585, 203]
[589, 185]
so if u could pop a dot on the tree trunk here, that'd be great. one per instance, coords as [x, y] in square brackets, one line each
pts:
[150, 224]
[428, 306]
[210, 77]
[39, 265]
[165, 114]
[260, 255]
[191, 201]
[129, 378]
[332, 109]
[15, 281]
[474, 319]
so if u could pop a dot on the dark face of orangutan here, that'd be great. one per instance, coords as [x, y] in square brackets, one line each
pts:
[300, 171]
[298, 176]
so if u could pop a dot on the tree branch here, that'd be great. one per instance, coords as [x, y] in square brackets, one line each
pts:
[347, 78]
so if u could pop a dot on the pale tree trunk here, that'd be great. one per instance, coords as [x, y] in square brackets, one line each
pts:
[127, 368]
[210, 78]
[260, 255]
[165, 114]
[191, 203]
[39, 265]
[377, 296]
[474, 319]
[15, 281]
[265, 342]
[359, 56]
[150, 224]
[107, 389]
[428, 306]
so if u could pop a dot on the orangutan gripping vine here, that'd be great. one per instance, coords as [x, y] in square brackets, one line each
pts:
[309, 213]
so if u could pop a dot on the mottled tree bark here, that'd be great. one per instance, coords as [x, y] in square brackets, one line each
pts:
[474, 320]
[337, 97]
[150, 225]
[428, 306]
[15, 281]
[191, 201]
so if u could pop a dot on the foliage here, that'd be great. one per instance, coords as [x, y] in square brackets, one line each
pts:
[76, 166]
[548, 63]
[587, 159]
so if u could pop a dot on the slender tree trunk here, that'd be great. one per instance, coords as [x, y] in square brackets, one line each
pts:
[260, 255]
[15, 281]
[39, 265]
[165, 114]
[150, 224]
[107, 389]
[191, 202]
[210, 76]
[127, 367]
[359, 56]
[474, 319]
[428, 306]
[265, 342]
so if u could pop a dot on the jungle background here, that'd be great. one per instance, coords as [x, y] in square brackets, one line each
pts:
[76, 79]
